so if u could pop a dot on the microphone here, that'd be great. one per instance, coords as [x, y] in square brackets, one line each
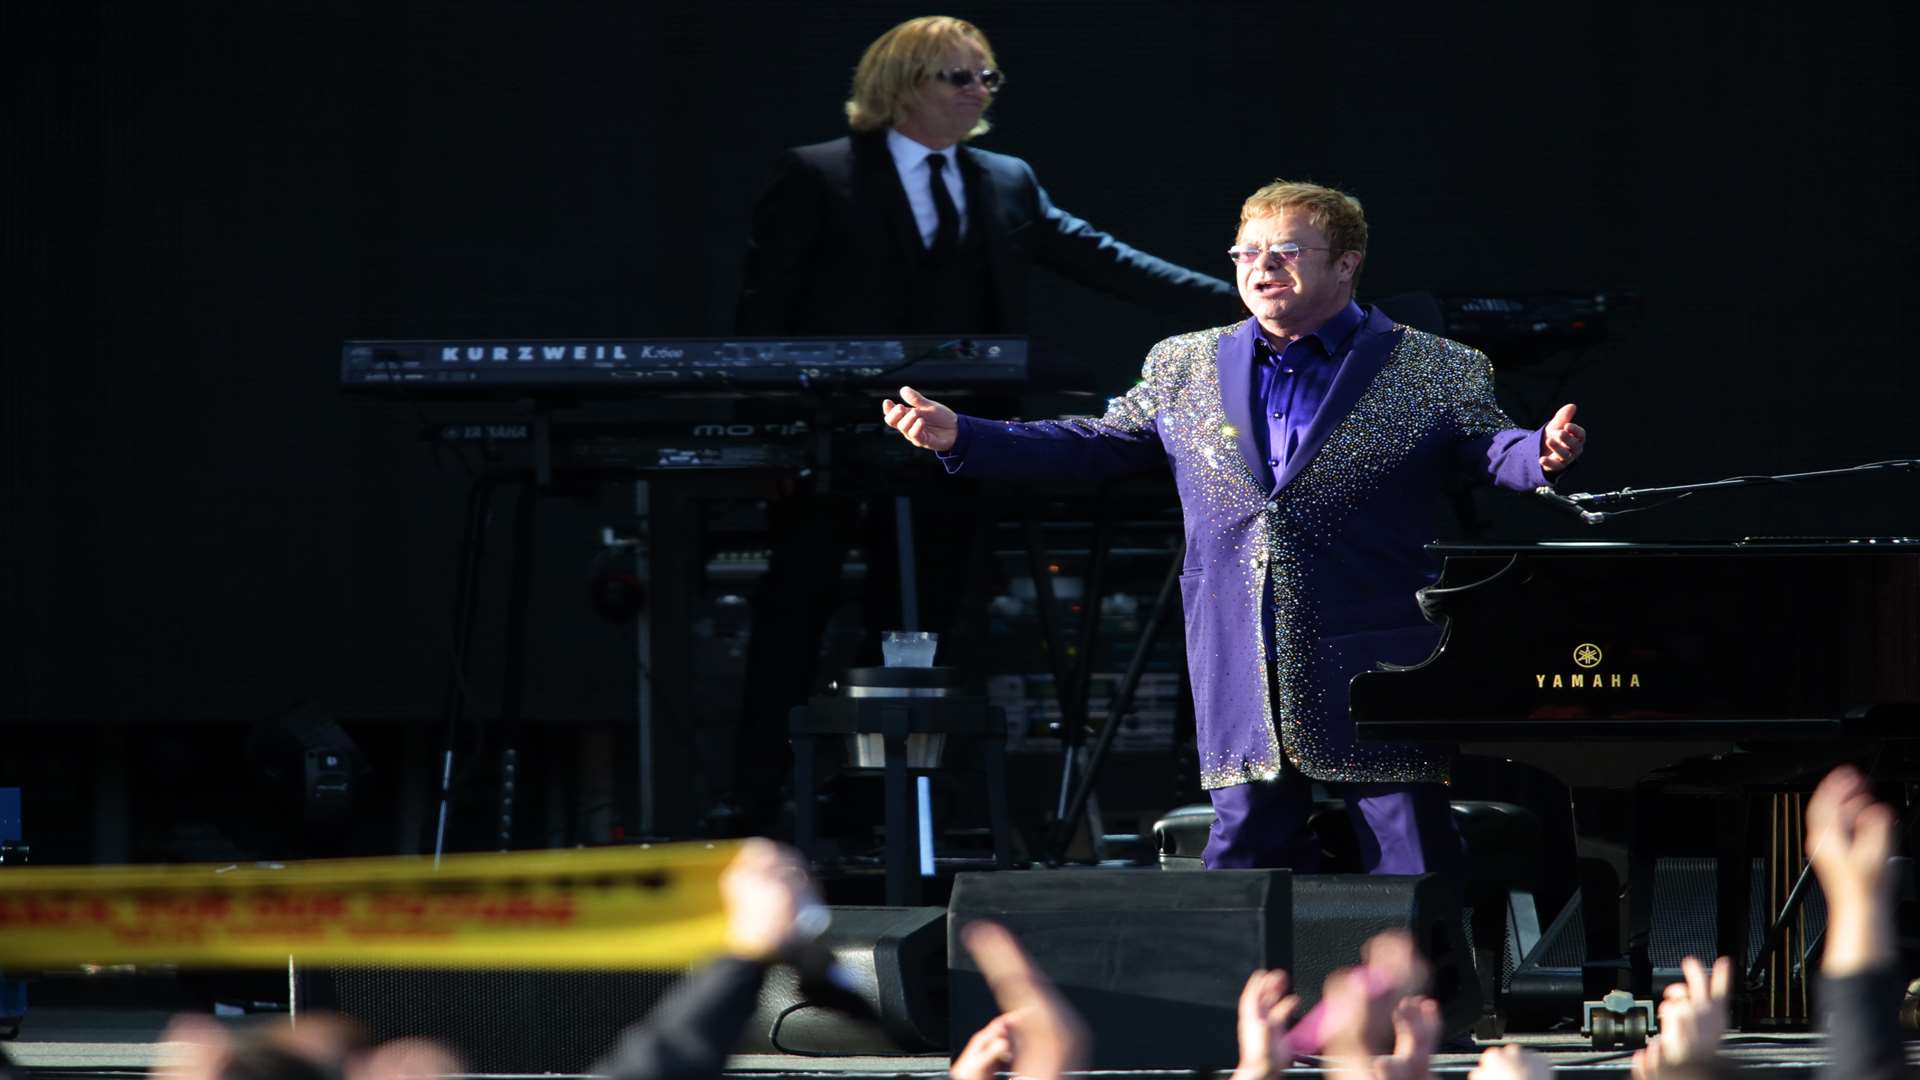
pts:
[1570, 505]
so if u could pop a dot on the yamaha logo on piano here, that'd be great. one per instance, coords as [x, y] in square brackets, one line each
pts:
[1588, 656]
[485, 432]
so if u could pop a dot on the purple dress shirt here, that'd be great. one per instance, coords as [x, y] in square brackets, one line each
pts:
[1290, 384]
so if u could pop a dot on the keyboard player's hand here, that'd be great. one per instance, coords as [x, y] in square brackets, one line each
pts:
[923, 421]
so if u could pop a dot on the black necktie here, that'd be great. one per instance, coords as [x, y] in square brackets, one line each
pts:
[946, 236]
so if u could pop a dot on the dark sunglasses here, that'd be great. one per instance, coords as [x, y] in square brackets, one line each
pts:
[961, 78]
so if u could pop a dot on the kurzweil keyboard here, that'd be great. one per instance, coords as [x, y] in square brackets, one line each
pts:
[519, 365]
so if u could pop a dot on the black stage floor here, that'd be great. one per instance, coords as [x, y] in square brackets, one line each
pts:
[76, 1042]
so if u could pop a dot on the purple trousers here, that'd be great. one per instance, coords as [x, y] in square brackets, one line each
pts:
[1399, 828]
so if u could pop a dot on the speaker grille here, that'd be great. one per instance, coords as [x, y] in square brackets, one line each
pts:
[1683, 917]
[500, 1021]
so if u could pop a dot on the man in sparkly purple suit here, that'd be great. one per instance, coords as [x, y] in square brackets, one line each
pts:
[1306, 443]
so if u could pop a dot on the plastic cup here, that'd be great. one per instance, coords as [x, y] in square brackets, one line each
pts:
[908, 648]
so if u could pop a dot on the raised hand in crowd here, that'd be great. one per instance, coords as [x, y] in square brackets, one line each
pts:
[1850, 840]
[1044, 1037]
[770, 906]
[769, 900]
[990, 1051]
[1850, 837]
[1510, 1062]
[1266, 1012]
[1416, 1034]
[1693, 1020]
[1376, 1026]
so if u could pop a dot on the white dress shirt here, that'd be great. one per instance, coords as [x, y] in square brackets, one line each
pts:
[910, 158]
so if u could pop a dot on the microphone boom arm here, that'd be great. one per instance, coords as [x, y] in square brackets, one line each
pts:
[1593, 507]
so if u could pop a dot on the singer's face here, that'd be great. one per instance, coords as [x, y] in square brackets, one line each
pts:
[1293, 297]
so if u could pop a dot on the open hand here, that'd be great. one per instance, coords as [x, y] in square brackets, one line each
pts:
[1693, 1019]
[923, 421]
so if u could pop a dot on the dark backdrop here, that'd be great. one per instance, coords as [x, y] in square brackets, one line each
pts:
[211, 196]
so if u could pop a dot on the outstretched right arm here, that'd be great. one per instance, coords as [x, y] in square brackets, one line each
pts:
[1126, 439]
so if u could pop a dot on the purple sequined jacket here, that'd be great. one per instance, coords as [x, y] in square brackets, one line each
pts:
[1336, 547]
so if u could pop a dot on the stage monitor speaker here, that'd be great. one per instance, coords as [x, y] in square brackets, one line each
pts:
[498, 1020]
[1335, 914]
[1153, 961]
[894, 959]
[517, 1021]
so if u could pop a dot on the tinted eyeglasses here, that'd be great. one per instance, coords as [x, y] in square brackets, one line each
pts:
[961, 78]
[1248, 254]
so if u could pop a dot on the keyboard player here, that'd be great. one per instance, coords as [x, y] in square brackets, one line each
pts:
[900, 227]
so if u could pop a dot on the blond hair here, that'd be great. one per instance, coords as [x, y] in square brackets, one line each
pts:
[1333, 212]
[896, 62]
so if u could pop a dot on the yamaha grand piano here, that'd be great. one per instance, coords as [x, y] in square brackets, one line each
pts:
[1603, 663]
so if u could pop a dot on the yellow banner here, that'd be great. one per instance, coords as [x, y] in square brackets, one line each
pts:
[598, 908]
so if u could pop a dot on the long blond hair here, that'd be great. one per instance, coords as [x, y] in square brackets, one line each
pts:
[894, 64]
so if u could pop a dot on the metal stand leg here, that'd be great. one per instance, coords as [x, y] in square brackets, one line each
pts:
[1121, 705]
[1642, 860]
[903, 882]
[1073, 712]
[643, 663]
[909, 577]
[1092, 592]
[994, 760]
[466, 600]
[1733, 888]
[513, 681]
[806, 779]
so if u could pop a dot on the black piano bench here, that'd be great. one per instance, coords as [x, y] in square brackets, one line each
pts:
[1181, 836]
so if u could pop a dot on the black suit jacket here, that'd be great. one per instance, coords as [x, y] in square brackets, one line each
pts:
[835, 248]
